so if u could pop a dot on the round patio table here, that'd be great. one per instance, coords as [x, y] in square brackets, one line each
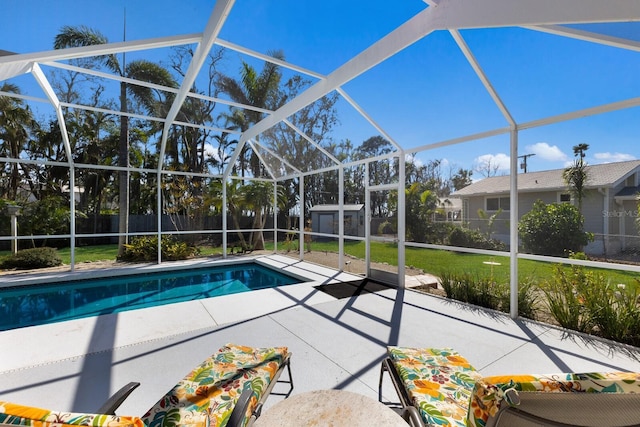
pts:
[330, 408]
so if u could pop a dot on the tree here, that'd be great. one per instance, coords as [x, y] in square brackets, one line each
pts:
[235, 203]
[258, 196]
[490, 220]
[257, 90]
[70, 36]
[16, 125]
[556, 229]
[487, 166]
[315, 121]
[575, 176]
[265, 90]
[461, 179]
[379, 171]
[421, 202]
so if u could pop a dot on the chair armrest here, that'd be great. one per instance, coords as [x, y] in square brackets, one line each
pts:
[109, 407]
[412, 417]
[240, 409]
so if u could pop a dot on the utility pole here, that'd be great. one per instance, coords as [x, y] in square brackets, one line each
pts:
[523, 165]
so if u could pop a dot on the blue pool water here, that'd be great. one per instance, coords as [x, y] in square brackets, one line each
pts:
[41, 304]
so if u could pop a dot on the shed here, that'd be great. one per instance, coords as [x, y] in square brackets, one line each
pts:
[324, 219]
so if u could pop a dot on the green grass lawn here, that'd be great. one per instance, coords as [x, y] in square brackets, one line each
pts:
[430, 260]
[437, 261]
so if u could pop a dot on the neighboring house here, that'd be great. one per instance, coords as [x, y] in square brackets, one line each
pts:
[450, 210]
[325, 219]
[609, 206]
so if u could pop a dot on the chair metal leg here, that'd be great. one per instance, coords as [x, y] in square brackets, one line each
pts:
[109, 407]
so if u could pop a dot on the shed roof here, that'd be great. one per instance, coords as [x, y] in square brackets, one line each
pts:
[333, 208]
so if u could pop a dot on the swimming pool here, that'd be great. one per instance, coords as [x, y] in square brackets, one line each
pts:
[42, 304]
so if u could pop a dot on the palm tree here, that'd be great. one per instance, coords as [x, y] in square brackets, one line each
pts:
[575, 176]
[257, 90]
[70, 36]
[16, 121]
[580, 149]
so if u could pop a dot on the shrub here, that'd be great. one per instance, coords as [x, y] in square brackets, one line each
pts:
[586, 301]
[564, 294]
[489, 293]
[612, 309]
[146, 249]
[464, 287]
[32, 258]
[555, 229]
[438, 232]
[528, 298]
[467, 238]
[47, 216]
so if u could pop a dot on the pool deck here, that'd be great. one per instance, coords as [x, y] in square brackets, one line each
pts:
[337, 343]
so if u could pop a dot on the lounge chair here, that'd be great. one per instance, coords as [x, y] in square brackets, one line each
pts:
[227, 389]
[439, 387]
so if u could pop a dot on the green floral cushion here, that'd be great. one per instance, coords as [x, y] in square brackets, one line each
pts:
[20, 415]
[439, 382]
[490, 393]
[208, 394]
[204, 398]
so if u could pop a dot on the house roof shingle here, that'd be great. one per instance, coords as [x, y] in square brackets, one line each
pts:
[602, 175]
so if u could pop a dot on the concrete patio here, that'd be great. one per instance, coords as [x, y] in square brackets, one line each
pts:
[337, 343]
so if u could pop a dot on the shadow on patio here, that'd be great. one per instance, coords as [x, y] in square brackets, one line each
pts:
[336, 343]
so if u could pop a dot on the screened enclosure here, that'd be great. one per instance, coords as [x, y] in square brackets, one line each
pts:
[227, 125]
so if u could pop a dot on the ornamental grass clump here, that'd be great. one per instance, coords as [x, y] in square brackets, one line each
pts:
[528, 299]
[470, 289]
[486, 291]
[564, 293]
[587, 301]
[613, 310]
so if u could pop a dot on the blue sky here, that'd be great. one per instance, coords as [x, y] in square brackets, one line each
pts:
[425, 94]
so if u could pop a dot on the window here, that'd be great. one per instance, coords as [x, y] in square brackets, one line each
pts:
[495, 203]
[465, 209]
[565, 198]
[630, 181]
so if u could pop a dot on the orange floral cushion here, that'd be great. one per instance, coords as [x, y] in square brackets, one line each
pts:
[490, 393]
[439, 382]
[20, 415]
[207, 395]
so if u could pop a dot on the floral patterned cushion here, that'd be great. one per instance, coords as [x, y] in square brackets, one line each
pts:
[19, 415]
[204, 398]
[207, 395]
[490, 393]
[439, 382]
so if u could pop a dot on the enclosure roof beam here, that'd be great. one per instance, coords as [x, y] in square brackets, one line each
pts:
[53, 98]
[276, 155]
[588, 36]
[266, 165]
[155, 86]
[267, 58]
[466, 51]
[456, 14]
[368, 118]
[311, 141]
[214, 25]
[13, 65]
